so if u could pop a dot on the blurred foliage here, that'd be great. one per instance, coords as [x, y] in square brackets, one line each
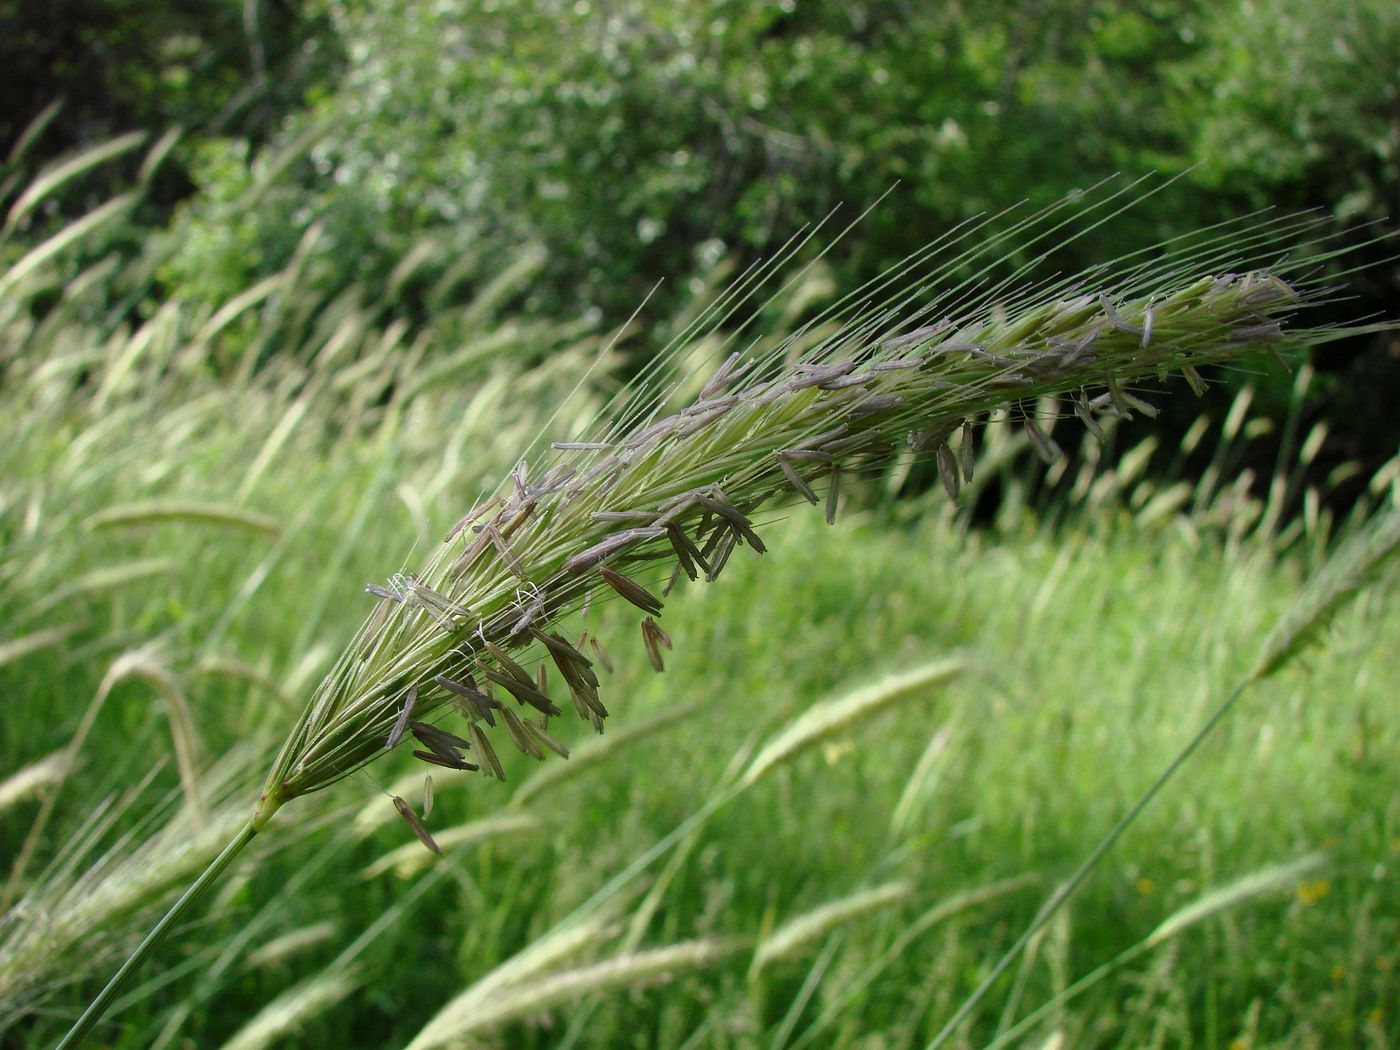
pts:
[408, 147]
[641, 140]
[95, 68]
[1297, 105]
[1305, 106]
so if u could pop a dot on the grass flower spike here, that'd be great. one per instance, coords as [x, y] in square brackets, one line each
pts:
[626, 512]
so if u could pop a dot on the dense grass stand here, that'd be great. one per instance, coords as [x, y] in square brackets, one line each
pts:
[658, 488]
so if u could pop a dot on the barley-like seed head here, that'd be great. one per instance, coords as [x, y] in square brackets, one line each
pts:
[657, 492]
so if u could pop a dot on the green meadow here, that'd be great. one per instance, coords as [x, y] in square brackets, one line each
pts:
[874, 753]
[1047, 696]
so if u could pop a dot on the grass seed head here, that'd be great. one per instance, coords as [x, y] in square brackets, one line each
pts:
[656, 493]
[800, 931]
[832, 716]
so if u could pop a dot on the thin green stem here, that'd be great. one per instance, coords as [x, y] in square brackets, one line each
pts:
[197, 889]
[1084, 983]
[1068, 888]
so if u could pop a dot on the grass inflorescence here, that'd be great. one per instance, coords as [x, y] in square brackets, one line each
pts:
[661, 494]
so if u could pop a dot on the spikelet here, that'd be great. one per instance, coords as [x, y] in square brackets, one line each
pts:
[408, 859]
[401, 723]
[411, 819]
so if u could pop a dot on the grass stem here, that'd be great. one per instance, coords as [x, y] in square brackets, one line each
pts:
[197, 889]
[1086, 867]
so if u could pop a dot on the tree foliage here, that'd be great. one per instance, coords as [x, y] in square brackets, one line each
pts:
[635, 140]
[230, 67]
[639, 139]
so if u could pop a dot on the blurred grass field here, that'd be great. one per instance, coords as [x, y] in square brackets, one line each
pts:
[184, 550]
